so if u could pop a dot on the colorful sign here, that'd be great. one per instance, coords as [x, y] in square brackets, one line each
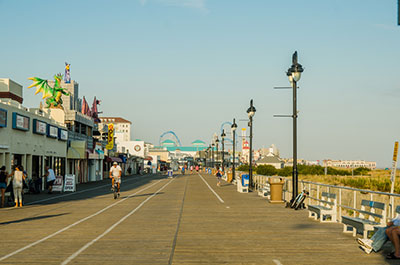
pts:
[62, 134]
[20, 122]
[51, 94]
[52, 131]
[3, 118]
[39, 127]
[110, 137]
[69, 183]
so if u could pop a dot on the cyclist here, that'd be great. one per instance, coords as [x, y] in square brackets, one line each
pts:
[115, 175]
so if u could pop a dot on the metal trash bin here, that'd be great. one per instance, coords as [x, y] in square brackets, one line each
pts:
[276, 188]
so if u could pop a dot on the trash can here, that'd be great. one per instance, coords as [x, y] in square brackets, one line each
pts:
[229, 176]
[276, 188]
[170, 173]
[245, 180]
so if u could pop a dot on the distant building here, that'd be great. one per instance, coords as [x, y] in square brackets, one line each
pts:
[272, 160]
[348, 163]
[122, 127]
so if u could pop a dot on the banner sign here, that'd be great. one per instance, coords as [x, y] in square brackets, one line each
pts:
[39, 127]
[110, 137]
[69, 183]
[58, 184]
[20, 122]
[52, 131]
[3, 118]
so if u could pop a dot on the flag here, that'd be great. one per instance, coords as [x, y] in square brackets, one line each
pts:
[94, 111]
[85, 107]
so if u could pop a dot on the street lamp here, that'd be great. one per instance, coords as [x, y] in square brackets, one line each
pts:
[216, 144]
[212, 154]
[223, 149]
[294, 74]
[233, 128]
[250, 112]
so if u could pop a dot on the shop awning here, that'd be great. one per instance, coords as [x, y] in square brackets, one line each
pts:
[74, 154]
[114, 159]
[77, 150]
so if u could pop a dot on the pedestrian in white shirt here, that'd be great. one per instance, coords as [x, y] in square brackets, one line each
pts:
[115, 175]
[17, 177]
[51, 177]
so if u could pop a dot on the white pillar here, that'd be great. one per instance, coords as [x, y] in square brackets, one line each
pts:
[29, 165]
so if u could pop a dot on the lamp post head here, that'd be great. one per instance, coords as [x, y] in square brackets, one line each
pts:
[223, 135]
[296, 69]
[217, 140]
[233, 126]
[252, 110]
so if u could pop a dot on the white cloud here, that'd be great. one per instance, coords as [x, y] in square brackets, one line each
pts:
[195, 4]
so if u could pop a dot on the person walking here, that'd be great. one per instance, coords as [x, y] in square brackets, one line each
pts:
[17, 179]
[51, 177]
[3, 183]
[219, 175]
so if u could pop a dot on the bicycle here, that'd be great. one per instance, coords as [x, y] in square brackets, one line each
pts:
[115, 190]
[298, 202]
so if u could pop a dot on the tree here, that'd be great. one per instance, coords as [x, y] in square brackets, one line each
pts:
[266, 170]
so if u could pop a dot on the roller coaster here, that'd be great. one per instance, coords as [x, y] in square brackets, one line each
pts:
[177, 141]
[222, 127]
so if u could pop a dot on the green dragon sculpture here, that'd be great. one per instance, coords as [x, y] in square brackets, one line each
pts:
[51, 94]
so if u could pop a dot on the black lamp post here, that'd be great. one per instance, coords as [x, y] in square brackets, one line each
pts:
[223, 149]
[294, 74]
[250, 112]
[212, 154]
[216, 144]
[233, 127]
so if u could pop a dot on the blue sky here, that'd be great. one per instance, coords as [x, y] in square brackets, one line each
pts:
[190, 65]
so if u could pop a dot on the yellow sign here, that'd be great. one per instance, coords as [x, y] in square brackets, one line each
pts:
[396, 148]
[110, 137]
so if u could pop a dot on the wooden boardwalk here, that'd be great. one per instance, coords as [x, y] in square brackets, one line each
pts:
[184, 220]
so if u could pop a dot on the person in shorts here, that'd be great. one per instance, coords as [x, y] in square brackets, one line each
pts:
[115, 175]
[51, 177]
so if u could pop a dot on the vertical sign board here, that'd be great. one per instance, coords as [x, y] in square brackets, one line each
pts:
[69, 183]
[393, 175]
[110, 137]
[58, 184]
[3, 118]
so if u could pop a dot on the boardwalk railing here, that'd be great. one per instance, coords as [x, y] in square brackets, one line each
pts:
[348, 198]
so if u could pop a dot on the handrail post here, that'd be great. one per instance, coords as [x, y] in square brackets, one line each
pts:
[340, 205]
[355, 202]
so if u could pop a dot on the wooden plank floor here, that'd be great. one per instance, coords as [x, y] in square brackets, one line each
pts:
[170, 221]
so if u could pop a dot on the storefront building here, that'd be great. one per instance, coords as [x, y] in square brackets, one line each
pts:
[29, 137]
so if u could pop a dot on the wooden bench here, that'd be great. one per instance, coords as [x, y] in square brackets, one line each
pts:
[327, 206]
[366, 219]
